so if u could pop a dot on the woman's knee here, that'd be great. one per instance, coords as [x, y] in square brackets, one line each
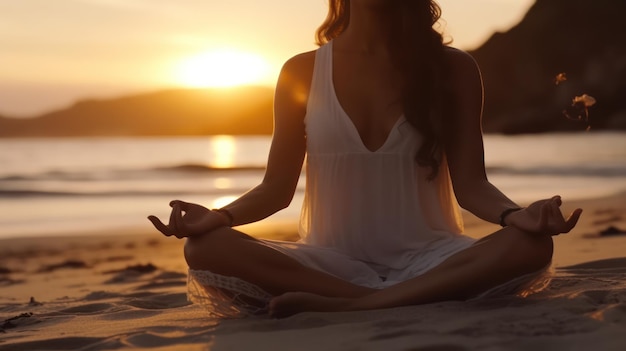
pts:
[529, 251]
[206, 251]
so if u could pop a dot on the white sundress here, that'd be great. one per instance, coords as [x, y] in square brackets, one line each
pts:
[368, 217]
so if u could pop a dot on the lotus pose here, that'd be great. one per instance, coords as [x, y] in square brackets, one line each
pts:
[389, 119]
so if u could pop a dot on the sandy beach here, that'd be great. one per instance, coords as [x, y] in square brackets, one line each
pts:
[127, 291]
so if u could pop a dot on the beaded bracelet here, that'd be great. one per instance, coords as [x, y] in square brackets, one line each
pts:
[226, 213]
[507, 212]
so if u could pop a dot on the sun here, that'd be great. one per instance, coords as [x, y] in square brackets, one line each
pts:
[222, 68]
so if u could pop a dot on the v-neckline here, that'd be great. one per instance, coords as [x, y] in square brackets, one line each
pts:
[347, 117]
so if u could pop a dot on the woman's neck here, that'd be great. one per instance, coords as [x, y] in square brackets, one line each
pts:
[372, 28]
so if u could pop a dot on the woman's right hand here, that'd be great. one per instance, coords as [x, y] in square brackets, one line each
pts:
[188, 219]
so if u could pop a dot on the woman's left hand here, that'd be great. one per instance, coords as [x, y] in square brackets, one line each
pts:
[545, 217]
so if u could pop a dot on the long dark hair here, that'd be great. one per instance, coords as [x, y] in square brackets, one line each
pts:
[420, 59]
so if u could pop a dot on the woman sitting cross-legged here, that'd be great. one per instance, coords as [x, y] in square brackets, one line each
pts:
[389, 119]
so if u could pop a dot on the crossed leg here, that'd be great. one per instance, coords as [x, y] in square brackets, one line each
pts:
[493, 260]
[228, 252]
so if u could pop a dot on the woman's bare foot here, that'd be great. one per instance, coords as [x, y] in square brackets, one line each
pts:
[291, 303]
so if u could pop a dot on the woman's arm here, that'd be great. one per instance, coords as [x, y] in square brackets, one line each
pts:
[465, 154]
[287, 149]
[283, 167]
[464, 143]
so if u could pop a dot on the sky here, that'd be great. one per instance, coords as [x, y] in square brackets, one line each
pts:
[54, 52]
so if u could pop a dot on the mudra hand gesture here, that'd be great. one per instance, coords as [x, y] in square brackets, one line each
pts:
[544, 216]
[188, 219]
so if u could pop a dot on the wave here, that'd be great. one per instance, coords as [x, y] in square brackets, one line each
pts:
[197, 169]
[204, 168]
[53, 193]
[26, 193]
[192, 170]
[562, 171]
[113, 174]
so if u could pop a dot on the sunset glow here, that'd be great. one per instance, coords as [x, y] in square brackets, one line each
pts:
[222, 68]
[83, 49]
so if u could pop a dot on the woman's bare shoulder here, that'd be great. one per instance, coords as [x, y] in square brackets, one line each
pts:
[304, 58]
[300, 66]
[295, 80]
[460, 63]
[292, 89]
[463, 75]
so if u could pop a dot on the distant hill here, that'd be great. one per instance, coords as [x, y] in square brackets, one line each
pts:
[586, 39]
[246, 110]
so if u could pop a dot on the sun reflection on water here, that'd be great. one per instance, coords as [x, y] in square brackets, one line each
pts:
[222, 151]
[223, 183]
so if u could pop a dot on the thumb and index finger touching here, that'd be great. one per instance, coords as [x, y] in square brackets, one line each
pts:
[181, 204]
[162, 227]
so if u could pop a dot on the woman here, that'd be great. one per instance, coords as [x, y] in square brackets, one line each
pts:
[390, 121]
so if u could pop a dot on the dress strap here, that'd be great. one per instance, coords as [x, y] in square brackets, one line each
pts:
[321, 80]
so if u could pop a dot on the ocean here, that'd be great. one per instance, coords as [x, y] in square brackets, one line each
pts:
[79, 185]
